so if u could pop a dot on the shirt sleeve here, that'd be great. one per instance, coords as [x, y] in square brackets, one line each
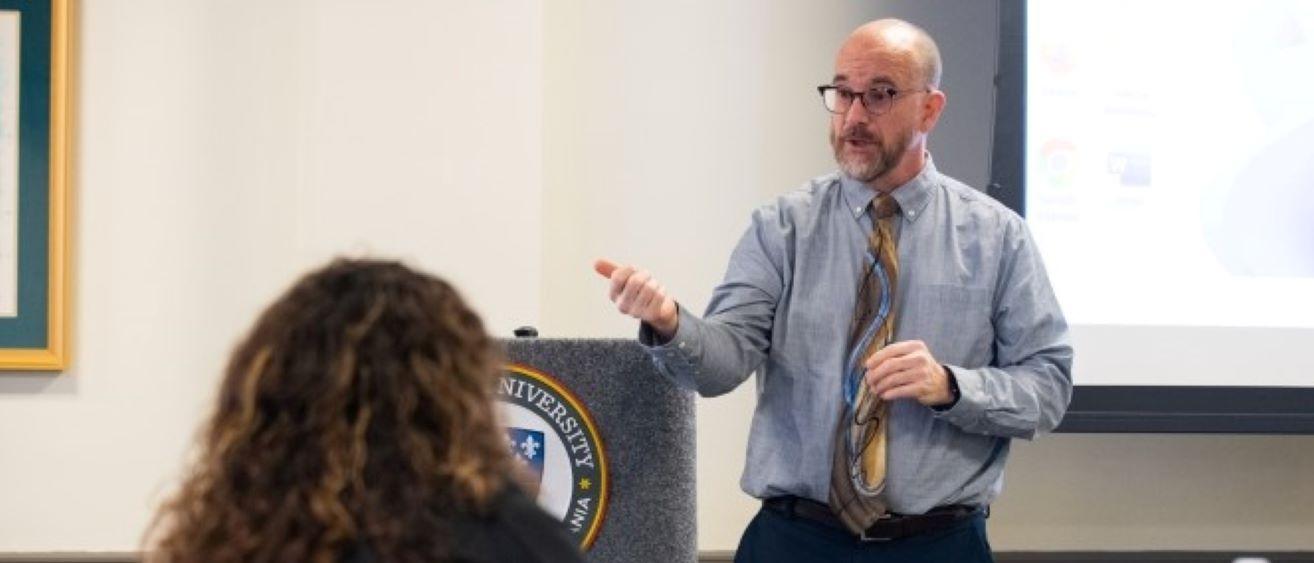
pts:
[714, 354]
[1027, 387]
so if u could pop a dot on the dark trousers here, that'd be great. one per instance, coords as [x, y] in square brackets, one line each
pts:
[777, 538]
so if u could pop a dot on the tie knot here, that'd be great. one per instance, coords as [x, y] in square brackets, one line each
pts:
[885, 206]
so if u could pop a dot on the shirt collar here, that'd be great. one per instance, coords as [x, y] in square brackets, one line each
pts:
[912, 196]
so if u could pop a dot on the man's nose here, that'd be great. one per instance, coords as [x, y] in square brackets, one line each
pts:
[856, 114]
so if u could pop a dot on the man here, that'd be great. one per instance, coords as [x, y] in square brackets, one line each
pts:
[901, 325]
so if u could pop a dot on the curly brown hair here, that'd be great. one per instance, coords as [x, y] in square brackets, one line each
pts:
[358, 411]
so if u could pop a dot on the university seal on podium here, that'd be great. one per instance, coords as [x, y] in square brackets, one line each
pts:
[553, 437]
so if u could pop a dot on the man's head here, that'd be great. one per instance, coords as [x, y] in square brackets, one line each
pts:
[894, 66]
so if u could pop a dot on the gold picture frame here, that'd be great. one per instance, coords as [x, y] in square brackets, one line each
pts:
[34, 328]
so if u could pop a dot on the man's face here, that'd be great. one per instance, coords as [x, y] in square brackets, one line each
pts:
[867, 145]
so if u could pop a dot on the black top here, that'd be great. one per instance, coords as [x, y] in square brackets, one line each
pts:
[514, 530]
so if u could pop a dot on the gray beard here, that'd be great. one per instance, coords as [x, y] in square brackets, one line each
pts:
[867, 171]
[864, 171]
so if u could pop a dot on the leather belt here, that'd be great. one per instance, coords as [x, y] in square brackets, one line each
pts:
[889, 527]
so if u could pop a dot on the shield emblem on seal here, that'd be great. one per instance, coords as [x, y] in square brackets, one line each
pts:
[527, 448]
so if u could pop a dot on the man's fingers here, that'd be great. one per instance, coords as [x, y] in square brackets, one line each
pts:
[619, 277]
[891, 350]
[643, 302]
[889, 367]
[891, 378]
[604, 267]
[630, 293]
[636, 293]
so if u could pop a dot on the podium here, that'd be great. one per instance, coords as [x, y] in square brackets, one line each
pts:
[612, 442]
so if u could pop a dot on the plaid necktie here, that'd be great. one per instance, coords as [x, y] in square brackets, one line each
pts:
[857, 478]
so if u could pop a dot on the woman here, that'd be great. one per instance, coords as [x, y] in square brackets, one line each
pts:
[355, 424]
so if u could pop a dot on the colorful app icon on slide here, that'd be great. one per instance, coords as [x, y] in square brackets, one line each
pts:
[1058, 158]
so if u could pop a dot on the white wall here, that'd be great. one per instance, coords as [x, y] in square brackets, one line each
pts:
[224, 147]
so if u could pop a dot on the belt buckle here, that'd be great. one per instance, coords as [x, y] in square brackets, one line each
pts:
[864, 538]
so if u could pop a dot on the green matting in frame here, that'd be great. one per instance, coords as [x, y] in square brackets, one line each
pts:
[34, 134]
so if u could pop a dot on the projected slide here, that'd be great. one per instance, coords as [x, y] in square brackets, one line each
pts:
[1170, 160]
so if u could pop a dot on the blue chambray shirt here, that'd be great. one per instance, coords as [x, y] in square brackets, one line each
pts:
[971, 286]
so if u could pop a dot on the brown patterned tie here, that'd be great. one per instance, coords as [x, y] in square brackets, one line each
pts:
[857, 479]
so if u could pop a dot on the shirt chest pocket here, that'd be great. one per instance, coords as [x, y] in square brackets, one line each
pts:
[953, 320]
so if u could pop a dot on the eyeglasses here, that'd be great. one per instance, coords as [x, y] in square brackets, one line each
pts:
[877, 101]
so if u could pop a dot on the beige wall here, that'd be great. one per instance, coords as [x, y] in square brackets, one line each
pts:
[1111, 492]
[224, 147]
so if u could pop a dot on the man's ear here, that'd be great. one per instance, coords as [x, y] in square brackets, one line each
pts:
[931, 110]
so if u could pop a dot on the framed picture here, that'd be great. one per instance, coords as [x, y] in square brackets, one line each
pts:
[34, 133]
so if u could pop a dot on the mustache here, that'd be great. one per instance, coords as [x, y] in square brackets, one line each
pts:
[857, 134]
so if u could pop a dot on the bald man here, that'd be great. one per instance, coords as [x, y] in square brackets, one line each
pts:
[901, 325]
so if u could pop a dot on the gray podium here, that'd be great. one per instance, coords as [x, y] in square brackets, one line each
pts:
[646, 426]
